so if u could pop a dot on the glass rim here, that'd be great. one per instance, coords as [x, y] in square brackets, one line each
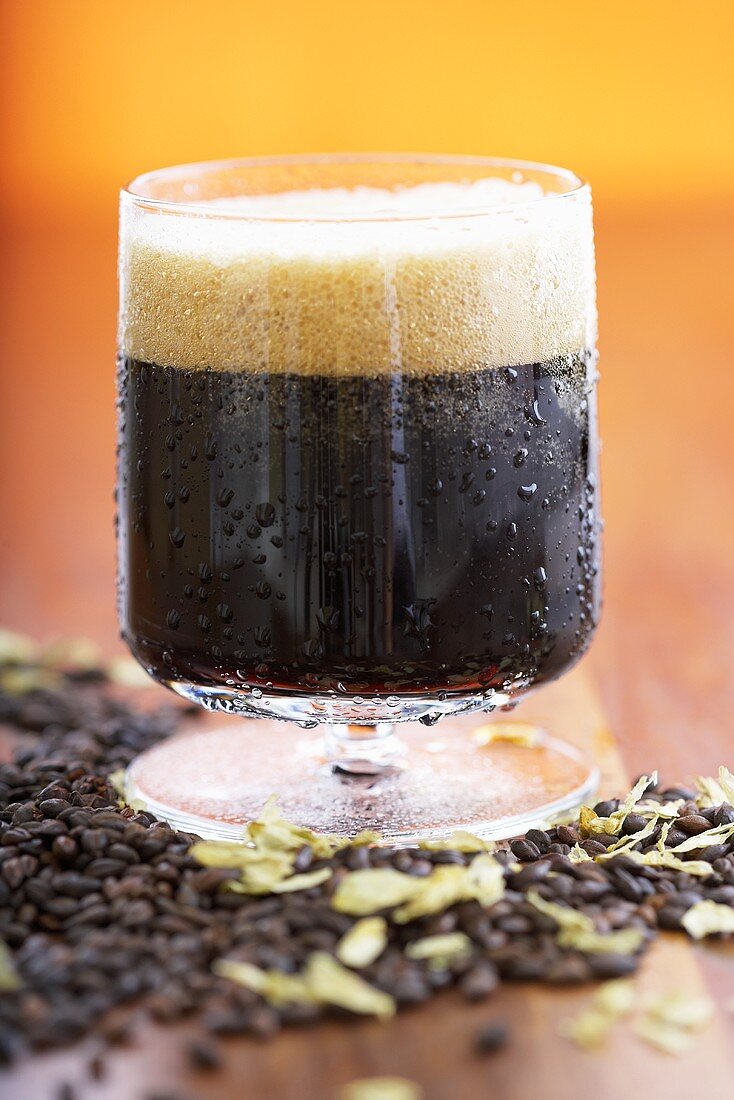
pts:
[574, 186]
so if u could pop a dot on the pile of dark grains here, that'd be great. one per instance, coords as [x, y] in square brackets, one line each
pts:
[104, 909]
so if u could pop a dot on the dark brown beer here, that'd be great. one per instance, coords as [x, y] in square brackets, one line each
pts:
[359, 535]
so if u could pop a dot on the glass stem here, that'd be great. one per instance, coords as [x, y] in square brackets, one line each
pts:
[363, 750]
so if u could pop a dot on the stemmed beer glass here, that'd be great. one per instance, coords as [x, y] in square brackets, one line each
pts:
[357, 483]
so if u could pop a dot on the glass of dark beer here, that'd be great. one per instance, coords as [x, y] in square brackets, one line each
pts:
[358, 483]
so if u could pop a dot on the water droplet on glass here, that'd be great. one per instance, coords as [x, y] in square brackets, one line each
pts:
[265, 514]
[534, 414]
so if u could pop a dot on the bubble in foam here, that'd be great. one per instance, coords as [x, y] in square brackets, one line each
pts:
[435, 277]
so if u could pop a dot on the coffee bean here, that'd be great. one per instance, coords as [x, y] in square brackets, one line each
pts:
[409, 988]
[11, 837]
[123, 852]
[568, 970]
[671, 916]
[439, 979]
[23, 814]
[64, 848]
[562, 865]
[724, 814]
[303, 859]
[686, 898]
[539, 838]
[93, 841]
[592, 890]
[479, 981]
[523, 968]
[13, 871]
[227, 1021]
[98, 914]
[97, 1068]
[593, 847]
[491, 1038]
[627, 885]
[151, 847]
[104, 866]
[52, 807]
[48, 829]
[53, 790]
[208, 881]
[607, 839]
[676, 836]
[611, 965]
[203, 1056]
[111, 822]
[712, 853]
[76, 885]
[724, 895]
[633, 823]
[692, 824]
[115, 1032]
[299, 1015]
[38, 891]
[357, 859]
[61, 906]
[516, 924]
[531, 874]
[167, 1006]
[420, 868]
[524, 850]
[448, 857]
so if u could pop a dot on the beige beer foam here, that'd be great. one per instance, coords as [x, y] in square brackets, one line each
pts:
[440, 287]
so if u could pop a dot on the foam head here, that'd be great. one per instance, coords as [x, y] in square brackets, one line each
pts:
[433, 277]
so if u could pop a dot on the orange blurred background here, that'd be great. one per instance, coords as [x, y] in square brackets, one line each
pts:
[638, 96]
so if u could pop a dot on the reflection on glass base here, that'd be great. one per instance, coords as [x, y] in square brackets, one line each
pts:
[213, 780]
[309, 710]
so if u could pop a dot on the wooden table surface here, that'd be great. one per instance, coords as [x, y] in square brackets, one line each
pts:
[657, 690]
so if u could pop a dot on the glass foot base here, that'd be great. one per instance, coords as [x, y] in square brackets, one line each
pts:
[213, 780]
